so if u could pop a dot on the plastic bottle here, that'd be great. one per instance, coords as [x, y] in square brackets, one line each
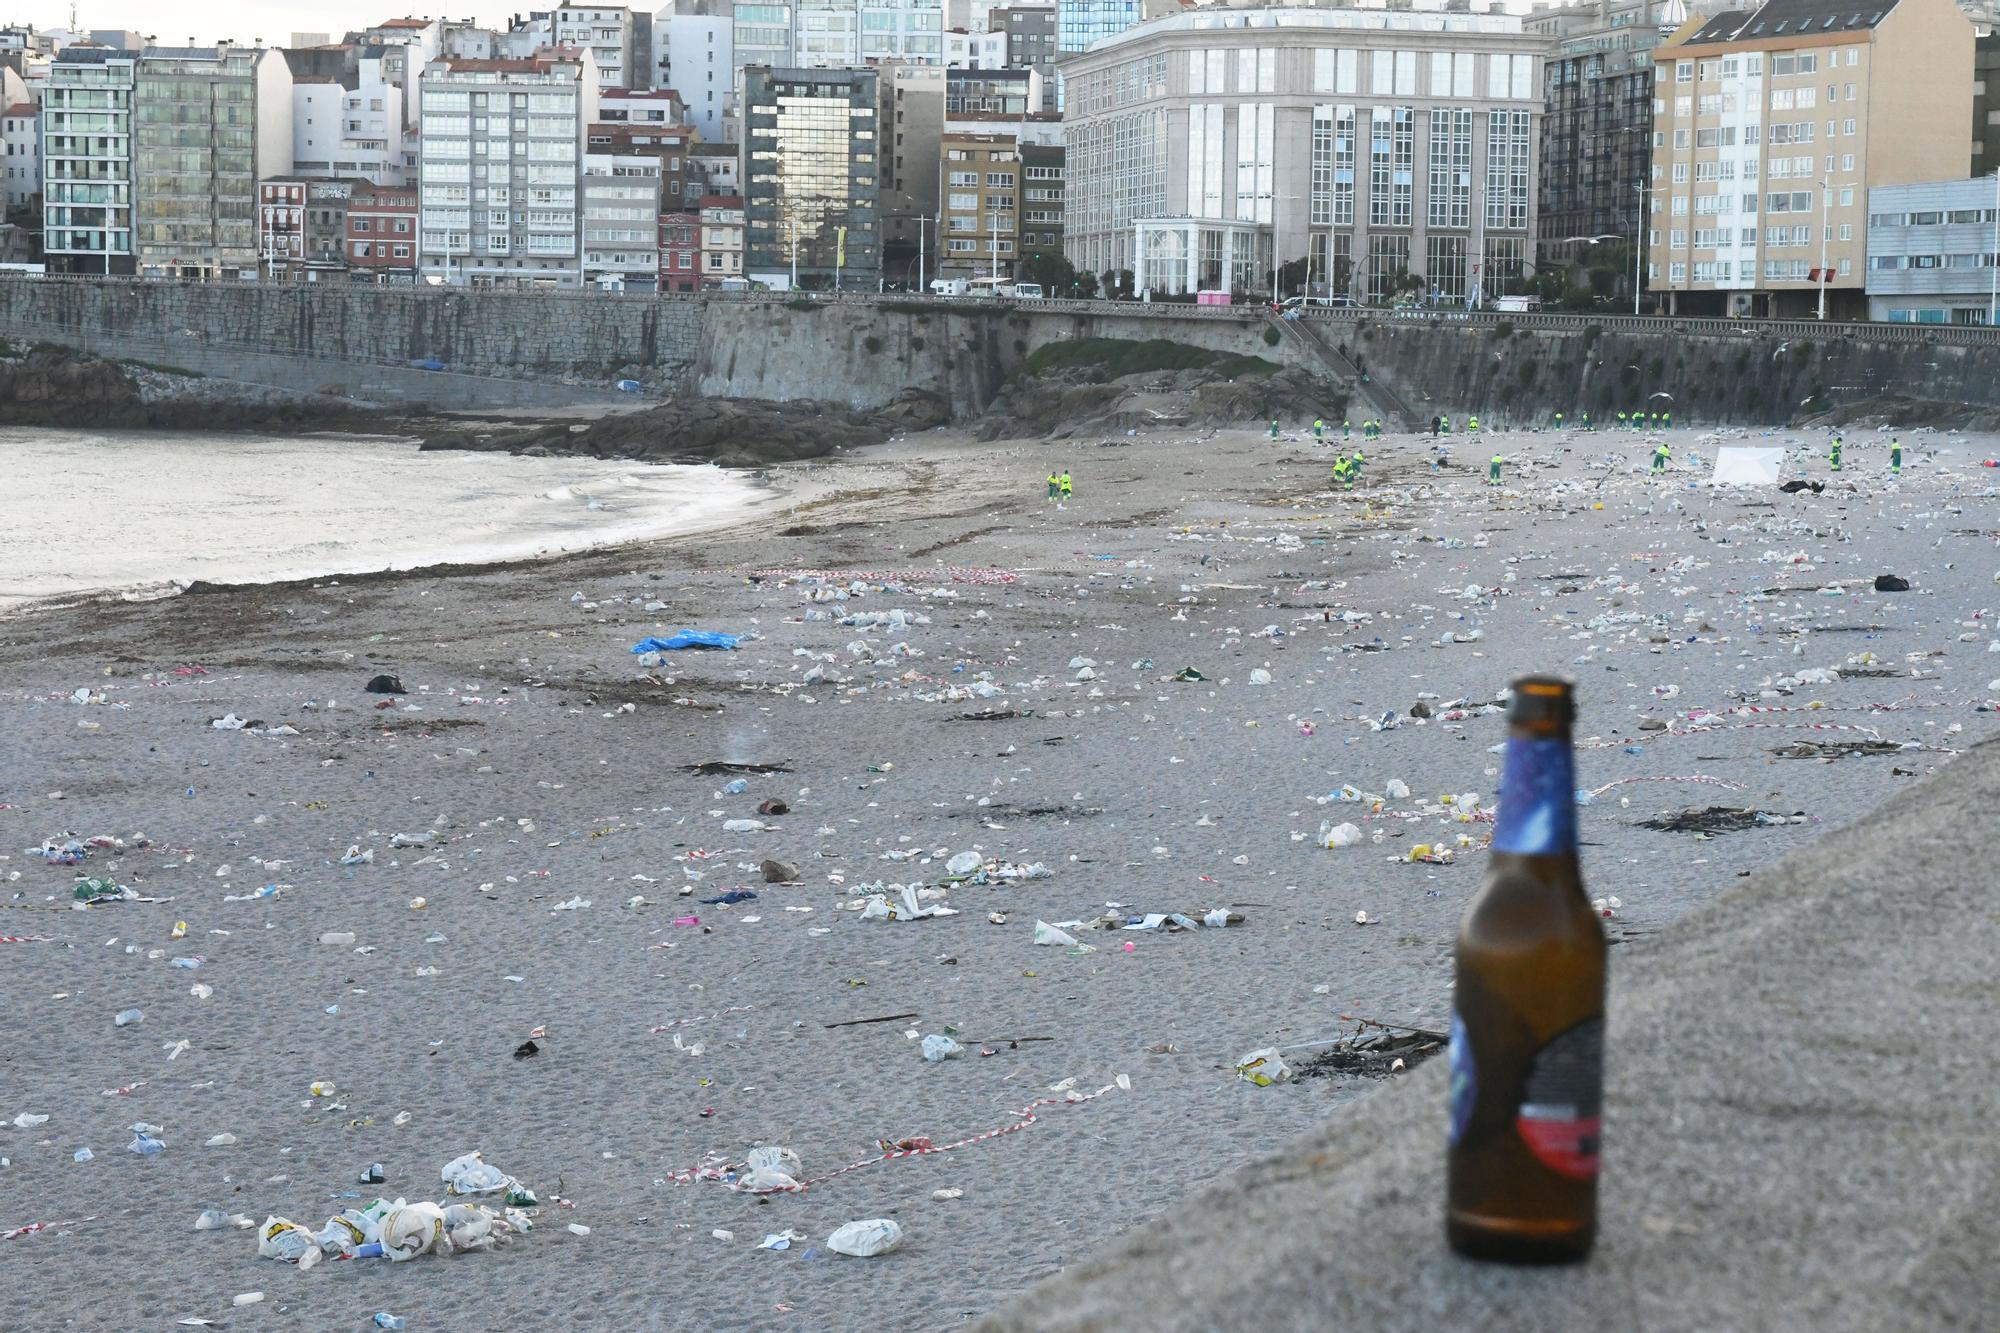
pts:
[84, 1155]
[128, 1018]
[211, 1219]
[735, 788]
[384, 1319]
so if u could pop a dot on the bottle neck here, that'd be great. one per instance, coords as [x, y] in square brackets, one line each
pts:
[1537, 795]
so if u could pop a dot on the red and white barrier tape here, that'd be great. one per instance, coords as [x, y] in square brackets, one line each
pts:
[33, 1227]
[702, 1018]
[1693, 777]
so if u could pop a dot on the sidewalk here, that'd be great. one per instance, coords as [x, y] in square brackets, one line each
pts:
[1804, 1085]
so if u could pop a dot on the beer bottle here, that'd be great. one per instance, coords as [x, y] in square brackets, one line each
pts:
[1527, 1029]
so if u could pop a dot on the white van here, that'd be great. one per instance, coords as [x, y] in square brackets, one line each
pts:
[948, 286]
[1028, 291]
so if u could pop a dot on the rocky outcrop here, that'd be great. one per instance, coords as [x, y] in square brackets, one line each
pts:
[56, 387]
[1064, 404]
[732, 432]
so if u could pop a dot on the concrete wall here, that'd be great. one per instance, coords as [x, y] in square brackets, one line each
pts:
[545, 348]
[1748, 373]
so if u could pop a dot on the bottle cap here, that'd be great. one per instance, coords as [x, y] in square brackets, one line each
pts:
[1543, 699]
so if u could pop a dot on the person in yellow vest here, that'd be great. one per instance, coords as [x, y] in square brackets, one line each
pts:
[1493, 471]
[1896, 458]
[1340, 471]
[1661, 455]
[1446, 423]
[1055, 486]
[1472, 426]
[1621, 418]
[1347, 430]
[1319, 428]
[1559, 421]
[1833, 455]
[1359, 461]
[1065, 483]
[1274, 428]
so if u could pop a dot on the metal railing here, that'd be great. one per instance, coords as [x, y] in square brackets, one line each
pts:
[1965, 335]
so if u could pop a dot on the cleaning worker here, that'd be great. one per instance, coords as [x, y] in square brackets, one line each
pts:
[1342, 472]
[1055, 485]
[1358, 461]
[1347, 430]
[1833, 454]
[1667, 419]
[1661, 453]
[1493, 471]
[1586, 421]
[1559, 421]
[1274, 428]
[1896, 458]
[1621, 418]
[1064, 480]
[1472, 425]
[1445, 421]
[1319, 428]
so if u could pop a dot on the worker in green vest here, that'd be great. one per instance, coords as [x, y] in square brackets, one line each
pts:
[1274, 428]
[1559, 421]
[1621, 418]
[1341, 471]
[1667, 419]
[1347, 430]
[1833, 455]
[1055, 485]
[1065, 483]
[1446, 423]
[1586, 422]
[1319, 428]
[1656, 421]
[1472, 425]
[1493, 471]
[1896, 458]
[1661, 455]
[1359, 461]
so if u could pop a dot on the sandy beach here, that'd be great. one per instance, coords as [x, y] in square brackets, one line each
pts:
[1156, 692]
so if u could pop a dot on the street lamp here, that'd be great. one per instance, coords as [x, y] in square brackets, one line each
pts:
[1825, 230]
[1639, 246]
[1993, 298]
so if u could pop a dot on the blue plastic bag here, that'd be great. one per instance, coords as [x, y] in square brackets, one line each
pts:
[687, 638]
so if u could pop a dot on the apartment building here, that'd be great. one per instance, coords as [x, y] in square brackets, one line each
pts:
[20, 135]
[87, 162]
[208, 124]
[611, 34]
[1041, 199]
[680, 250]
[348, 120]
[502, 159]
[811, 176]
[302, 226]
[911, 116]
[382, 233]
[762, 35]
[1597, 123]
[1986, 101]
[694, 53]
[1031, 43]
[1395, 159]
[1770, 127]
[981, 189]
[621, 220]
[721, 239]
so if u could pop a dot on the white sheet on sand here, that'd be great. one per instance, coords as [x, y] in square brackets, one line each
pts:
[1743, 466]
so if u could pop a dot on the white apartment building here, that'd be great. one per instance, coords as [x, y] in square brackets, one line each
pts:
[607, 32]
[356, 131]
[502, 158]
[721, 240]
[21, 128]
[694, 53]
[87, 162]
[621, 221]
[975, 50]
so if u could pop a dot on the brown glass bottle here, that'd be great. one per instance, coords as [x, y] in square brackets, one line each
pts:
[1528, 1014]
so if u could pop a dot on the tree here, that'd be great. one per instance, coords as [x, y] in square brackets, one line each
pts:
[1052, 269]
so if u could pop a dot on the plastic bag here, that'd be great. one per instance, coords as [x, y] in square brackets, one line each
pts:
[1264, 1067]
[865, 1240]
[411, 1229]
[938, 1047]
[687, 638]
[472, 1175]
[769, 1171]
[1048, 934]
[281, 1238]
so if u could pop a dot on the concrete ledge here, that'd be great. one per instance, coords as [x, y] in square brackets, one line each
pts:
[1804, 1081]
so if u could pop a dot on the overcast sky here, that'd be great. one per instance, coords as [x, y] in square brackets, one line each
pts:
[273, 20]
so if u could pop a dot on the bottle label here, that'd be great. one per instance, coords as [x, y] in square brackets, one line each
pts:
[1537, 799]
[1561, 1114]
[1464, 1078]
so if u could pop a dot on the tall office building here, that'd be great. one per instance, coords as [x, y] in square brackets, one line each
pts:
[87, 162]
[1769, 129]
[1597, 126]
[1079, 23]
[838, 34]
[208, 123]
[911, 118]
[811, 176]
[502, 155]
[1396, 159]
[762, 35]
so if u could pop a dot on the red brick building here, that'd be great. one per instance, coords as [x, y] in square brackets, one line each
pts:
[680, 251]
[382, 233]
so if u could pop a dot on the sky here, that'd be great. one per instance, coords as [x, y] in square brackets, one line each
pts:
[273, 20]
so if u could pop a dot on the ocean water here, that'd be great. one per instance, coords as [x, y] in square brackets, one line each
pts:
[141, 513]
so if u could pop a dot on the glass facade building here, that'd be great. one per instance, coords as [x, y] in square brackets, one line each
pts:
[1081, 22]
[87, 162]
[195, 159]
[812, 175]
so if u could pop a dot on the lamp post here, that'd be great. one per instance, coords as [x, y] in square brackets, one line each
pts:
[1825, 230]
[1639, 247]
[1993, 265]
